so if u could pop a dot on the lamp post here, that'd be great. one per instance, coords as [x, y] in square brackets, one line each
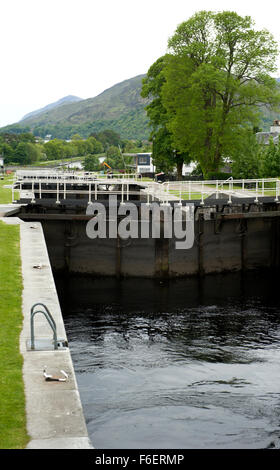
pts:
[2, 167]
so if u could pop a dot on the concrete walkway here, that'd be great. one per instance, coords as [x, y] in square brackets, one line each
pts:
[54, 411]
[9, 209]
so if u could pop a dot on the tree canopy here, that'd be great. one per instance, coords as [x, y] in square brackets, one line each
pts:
[212, 84]
[165, 155]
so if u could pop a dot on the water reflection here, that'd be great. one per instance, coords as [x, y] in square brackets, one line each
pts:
[182, 364]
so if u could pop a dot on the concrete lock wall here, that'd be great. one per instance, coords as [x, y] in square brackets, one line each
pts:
[233, 245]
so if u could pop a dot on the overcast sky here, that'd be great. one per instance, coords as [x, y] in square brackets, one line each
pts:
[54, 48]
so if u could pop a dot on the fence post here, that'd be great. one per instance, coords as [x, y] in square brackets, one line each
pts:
[89, 193]
[257, 189]
[180, 203]
[33, 195]
[202, 195]
[230, 191]
[57, 193]
[122, 192]
[277, 191]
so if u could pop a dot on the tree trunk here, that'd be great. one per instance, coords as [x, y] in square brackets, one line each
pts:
[179, 166]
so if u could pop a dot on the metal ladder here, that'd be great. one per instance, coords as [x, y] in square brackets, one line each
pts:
[50, 320]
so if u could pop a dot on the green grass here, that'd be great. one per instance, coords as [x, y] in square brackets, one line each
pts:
[13, 434]
[50, 163]
[269, 191]
[185, 195]
[146, 178]
[56, 162]
[5, 193]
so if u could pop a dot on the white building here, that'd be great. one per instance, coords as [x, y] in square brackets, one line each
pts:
[188, 168]
[264, 137]
[144, 164]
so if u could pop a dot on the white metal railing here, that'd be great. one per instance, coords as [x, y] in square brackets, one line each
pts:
[93, 186]
[240, 188]
[92, 190]
[51, 175]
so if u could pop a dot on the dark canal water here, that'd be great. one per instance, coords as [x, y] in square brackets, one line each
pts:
[181, 364]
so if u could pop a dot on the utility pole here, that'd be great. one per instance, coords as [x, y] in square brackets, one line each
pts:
[122, 155]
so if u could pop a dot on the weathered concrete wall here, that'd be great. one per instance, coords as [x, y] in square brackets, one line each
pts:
[231, 246]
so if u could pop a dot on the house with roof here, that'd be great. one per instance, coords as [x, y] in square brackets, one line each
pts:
[143, 164]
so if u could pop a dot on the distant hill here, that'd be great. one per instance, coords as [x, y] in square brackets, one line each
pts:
[119, 108]
[66, 100]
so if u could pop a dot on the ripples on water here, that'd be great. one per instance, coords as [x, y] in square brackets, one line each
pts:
[176, 365]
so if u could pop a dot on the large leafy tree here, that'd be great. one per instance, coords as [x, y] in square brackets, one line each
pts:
[217, 76]
[91, 163]
[107, 137]
[54, 149]
[26, 153]
[247, 158]
[165, 154]
[271, 160]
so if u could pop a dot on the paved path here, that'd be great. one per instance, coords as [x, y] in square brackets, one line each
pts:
[54, 411]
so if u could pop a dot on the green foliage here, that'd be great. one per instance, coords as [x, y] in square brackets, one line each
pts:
[107, 137]
[218, 175]
[91, 163]
[13, 139]
[57, 149]
[94, 146]
[165, 154]
[13, 433]
[216, 76]
[119, 108]
[6, 151]
[247, 159]
[152, 88]
[5, 193]
[26, 153]
[54, 149]
[15, 129]
[271, 161]
[257, 160]
[129, 146]
[19, 148]
[112, 152]
[116, 162]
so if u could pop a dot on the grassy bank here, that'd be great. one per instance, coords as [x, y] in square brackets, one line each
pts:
[13, 433]
[5, 193]
[50, 163]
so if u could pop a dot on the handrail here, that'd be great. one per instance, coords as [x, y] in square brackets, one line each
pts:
[204, 188]
[94, 188]
[50, 320]
[225, 181]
